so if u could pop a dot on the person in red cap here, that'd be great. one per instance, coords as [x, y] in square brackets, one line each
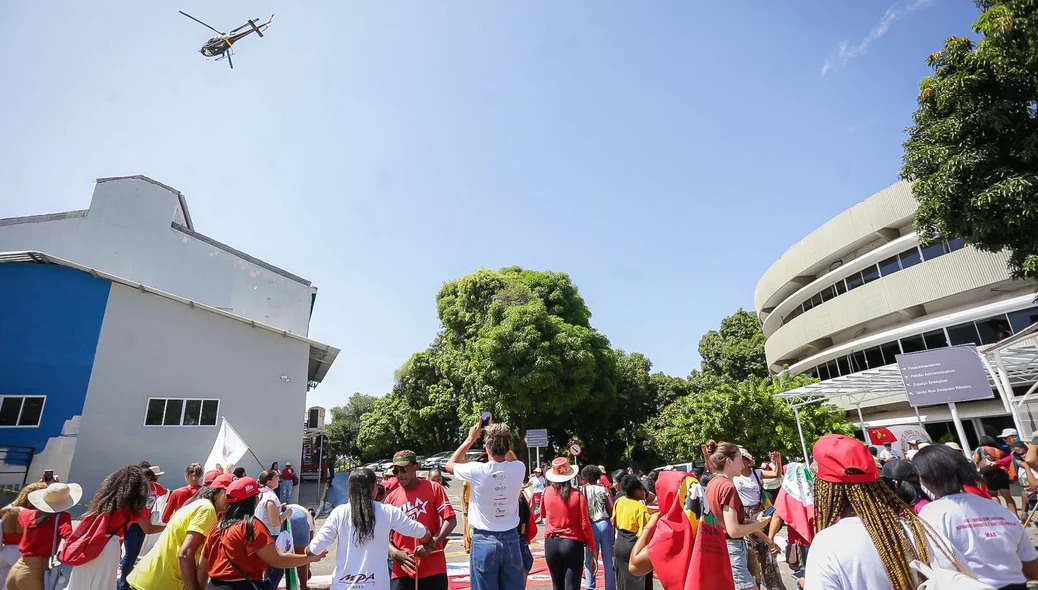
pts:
[240, 549]
[865, 535]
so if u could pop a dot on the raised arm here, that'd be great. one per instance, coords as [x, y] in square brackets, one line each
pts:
[474, 433]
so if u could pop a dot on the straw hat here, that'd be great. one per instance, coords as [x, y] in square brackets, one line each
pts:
[57, 497]
[561, 471]
[953, 445]
[157, 470]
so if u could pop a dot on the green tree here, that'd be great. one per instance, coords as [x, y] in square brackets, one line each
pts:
[344, 428]
[736, 351]
[972, 154]
[746, 413]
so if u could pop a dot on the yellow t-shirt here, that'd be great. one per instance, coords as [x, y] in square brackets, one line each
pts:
[630, 515]
[159, 569]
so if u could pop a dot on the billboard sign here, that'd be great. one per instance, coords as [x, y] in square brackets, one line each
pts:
[944, 375]
[537, 438]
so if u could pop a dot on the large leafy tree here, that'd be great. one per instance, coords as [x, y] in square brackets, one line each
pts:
[972, 154]
[736, 350]
[344, 428]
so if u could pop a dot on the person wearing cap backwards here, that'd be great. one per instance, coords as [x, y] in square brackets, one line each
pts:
[239, 548]
[496, 560]
[173, 563]
[865, 538]
[985, 536]
[361, 529]
[41, 525]
[193, 478]
[421, 564]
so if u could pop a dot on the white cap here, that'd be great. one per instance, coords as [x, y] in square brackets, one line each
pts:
[536, 469]
[1008, 432]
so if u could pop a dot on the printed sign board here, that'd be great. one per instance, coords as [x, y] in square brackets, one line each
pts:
[944, 375]
[537, 438]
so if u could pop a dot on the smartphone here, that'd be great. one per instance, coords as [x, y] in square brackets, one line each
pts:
[48, 475]
[485, 419]
[769, 512]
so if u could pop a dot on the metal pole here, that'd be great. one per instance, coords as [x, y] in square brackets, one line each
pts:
[861, 421]
[958, 428]
[538, 456]
[919, 419]
[1007, 391]
[800, 429]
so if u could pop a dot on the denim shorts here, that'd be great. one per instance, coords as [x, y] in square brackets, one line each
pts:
[524, 548]
[738, 553]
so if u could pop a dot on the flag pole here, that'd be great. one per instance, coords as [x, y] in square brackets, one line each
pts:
[257, 459]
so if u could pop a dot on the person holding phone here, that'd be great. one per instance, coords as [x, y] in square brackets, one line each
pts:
[496, 560]
[750, 486]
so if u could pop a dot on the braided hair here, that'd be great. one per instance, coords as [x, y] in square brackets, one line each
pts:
[885, 516]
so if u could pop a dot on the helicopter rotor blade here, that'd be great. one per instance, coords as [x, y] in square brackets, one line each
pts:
[229, 62]
[200, 22]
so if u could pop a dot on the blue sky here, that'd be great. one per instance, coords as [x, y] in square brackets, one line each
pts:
[663, 154]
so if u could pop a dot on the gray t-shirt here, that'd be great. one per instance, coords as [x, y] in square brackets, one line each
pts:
[597, 502]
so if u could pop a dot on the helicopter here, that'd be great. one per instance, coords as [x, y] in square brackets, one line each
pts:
[220, 47]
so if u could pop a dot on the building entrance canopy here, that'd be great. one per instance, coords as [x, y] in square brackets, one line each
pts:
[1012, 362]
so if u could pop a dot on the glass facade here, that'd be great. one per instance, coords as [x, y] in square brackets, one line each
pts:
[983, 331]
[889, 266]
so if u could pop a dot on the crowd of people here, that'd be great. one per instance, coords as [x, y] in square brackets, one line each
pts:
[854, 518]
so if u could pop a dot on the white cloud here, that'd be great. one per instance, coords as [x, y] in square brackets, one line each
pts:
[845, 52]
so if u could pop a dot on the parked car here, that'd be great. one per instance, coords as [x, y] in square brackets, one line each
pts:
[436, 461]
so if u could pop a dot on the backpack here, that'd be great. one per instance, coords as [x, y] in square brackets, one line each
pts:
[88, 540]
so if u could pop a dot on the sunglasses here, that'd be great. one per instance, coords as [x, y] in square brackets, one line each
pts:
[399, 470]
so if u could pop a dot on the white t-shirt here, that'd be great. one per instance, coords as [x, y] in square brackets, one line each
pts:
[843, 557]
[537, 484]
[494, 499]
[886, 455]
[748, 488]
[363, 566]
[911, 453]
[261, 509]
[991, 541]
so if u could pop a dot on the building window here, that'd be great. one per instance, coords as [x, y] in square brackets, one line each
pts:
[956, 244]
[181, 412]
[874, 357]
[912, 344]
[823, 372]
[844, 366]
[854, 281]
[889, 266]
[935, 339]
[858, 362]
[910, 257]
[870, 274]
[933, 251]
[993, 329]
[963, 334]
[1019, 320]
[890, 352]
[21, 410]
[840, 288]
[816, 300]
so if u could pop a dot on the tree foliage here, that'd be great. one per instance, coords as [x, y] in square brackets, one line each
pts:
[736, 350]
[746, 413]
[972, 154]
[344, 428]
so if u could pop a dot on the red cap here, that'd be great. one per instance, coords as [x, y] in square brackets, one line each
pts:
[210, 476]
[222, 482]
[242, 489]
[836, 453]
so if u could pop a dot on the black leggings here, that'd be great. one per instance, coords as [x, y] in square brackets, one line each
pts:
[565, 560]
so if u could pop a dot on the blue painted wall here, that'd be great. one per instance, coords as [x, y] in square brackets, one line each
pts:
[50, 320]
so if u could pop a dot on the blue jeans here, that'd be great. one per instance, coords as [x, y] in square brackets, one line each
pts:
[132, 543]
[603, 532]
[285, 491]
[496, 561]
[275, 575]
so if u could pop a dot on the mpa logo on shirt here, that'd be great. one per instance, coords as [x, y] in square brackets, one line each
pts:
[358, 580]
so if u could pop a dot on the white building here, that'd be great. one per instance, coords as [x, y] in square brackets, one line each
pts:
[860, 289]
[127, 335]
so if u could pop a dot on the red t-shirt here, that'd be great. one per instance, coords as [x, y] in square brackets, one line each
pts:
[177, 499]
[123, 517]
[428, 504]
[605, 482]
[288, 474]
[223, 548]
[721, 492]
[390, 484]
[567, 519]
[37, 541]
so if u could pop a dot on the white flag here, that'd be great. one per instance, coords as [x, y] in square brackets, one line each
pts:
[228, 448]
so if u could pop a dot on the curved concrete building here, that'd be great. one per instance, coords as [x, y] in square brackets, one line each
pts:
[860, 289]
